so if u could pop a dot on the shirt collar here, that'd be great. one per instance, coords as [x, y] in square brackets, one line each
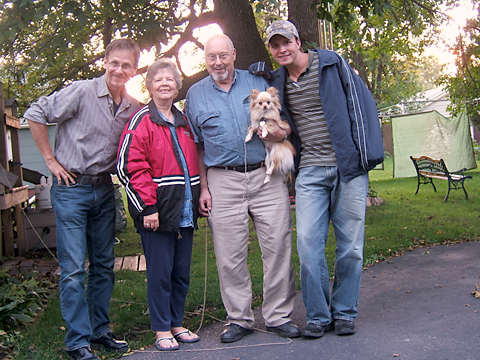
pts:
[311, 57]
[102, 90]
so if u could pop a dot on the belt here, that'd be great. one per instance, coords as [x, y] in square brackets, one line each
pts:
[241, 168]
[103, 178]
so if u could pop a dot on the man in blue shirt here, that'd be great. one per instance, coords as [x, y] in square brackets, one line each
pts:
[232, 188]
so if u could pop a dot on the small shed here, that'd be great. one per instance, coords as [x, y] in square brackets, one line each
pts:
[12, 191]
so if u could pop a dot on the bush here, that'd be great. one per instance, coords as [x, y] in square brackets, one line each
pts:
[20, 299]
[476, 150]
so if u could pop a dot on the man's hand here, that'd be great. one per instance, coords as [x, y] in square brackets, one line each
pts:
[277, 134]
[60, 172]
[151, 221]
[205, 202]
[40, 135]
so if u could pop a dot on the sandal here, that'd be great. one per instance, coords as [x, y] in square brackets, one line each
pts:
[179, 338]
[161, 348]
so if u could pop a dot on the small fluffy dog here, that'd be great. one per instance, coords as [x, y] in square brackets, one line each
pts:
[264, 112]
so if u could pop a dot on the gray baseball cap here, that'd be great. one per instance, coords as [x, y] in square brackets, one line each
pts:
[282, 27]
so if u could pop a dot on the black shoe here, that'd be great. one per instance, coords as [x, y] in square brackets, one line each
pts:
[312, 330]
[109, 341]
[287, 330]
[234, 332]
[84, 353]
[344, 327]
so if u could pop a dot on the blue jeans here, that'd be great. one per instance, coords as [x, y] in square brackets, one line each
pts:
[321, 196]
[85, 220]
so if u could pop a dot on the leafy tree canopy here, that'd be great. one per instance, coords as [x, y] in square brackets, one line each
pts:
[464, 86]
[386, 48]
[45, 44]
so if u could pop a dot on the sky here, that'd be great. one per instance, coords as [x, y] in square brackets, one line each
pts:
[190, 59]
[449, 33]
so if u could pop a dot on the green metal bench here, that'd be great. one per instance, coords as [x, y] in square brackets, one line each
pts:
[429, 169]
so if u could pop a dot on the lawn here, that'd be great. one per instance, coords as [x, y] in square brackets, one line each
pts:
[403, 222]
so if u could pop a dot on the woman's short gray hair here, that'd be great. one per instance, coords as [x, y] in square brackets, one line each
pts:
[163, 63]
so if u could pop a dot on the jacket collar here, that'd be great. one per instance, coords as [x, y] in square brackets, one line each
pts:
[157, 119]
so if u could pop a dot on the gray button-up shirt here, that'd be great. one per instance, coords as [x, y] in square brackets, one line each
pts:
[88, 131]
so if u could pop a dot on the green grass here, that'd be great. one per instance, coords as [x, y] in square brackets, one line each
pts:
[403, 222]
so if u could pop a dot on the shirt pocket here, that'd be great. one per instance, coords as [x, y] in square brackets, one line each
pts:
[212, 128]
[246, 107]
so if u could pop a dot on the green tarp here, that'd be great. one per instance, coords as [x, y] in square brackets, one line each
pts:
[434, 135]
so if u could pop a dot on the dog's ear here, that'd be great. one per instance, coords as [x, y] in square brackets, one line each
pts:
[274, 94]
[254, 94]
[272, 91]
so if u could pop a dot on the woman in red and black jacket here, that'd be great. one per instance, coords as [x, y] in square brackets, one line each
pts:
[158, 164]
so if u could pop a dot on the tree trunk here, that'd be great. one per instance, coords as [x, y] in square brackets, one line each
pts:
[237, 21]
[305, 20]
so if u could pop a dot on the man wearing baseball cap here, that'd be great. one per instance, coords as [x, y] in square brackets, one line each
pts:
[337, 136]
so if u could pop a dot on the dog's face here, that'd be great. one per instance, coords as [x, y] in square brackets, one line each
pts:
[265, 100]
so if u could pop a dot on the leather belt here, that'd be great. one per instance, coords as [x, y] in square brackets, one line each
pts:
[241, 168]
[104, 178]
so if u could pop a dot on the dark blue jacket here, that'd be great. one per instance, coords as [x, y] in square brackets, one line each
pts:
[350, 112]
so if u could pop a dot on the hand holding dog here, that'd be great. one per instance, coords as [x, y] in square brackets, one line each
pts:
[275, 134]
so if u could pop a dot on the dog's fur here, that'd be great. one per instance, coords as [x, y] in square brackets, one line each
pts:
[264, 112]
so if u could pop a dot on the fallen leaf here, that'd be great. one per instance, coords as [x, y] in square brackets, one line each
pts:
[31, 347]
[476, 293]
[396, 355]
[408, 292]
[467, 305]
[438, 285]
[62, 328]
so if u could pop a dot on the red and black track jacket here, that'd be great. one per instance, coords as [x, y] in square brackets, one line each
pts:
[149, 166]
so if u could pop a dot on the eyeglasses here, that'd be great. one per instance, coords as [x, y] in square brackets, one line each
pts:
[222, 57]
[115, 65]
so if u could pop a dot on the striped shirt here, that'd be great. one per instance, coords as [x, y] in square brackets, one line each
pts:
[303, 101]
[88, 129]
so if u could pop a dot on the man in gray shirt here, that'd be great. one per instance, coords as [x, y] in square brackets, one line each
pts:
[90, 116]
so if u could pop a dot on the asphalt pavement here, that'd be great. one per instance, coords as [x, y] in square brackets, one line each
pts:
[416, 306]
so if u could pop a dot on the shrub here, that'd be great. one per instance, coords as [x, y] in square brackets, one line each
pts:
[20, 299]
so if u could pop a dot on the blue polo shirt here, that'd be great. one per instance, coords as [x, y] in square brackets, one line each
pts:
[220, 120]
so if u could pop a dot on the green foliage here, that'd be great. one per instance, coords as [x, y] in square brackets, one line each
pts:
[411, 14]
[476, 150]
[385, 47]
[19, 303]
[46, 44]
[464, 86]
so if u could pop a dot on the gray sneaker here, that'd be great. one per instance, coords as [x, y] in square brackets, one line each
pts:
[312, 330]
[287, 330]
[344, 327]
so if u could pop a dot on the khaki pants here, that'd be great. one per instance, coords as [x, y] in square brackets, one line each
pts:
[235, 196]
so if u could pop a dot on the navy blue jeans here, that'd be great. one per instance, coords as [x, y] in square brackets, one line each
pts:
[85, 220]
[168, 257]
